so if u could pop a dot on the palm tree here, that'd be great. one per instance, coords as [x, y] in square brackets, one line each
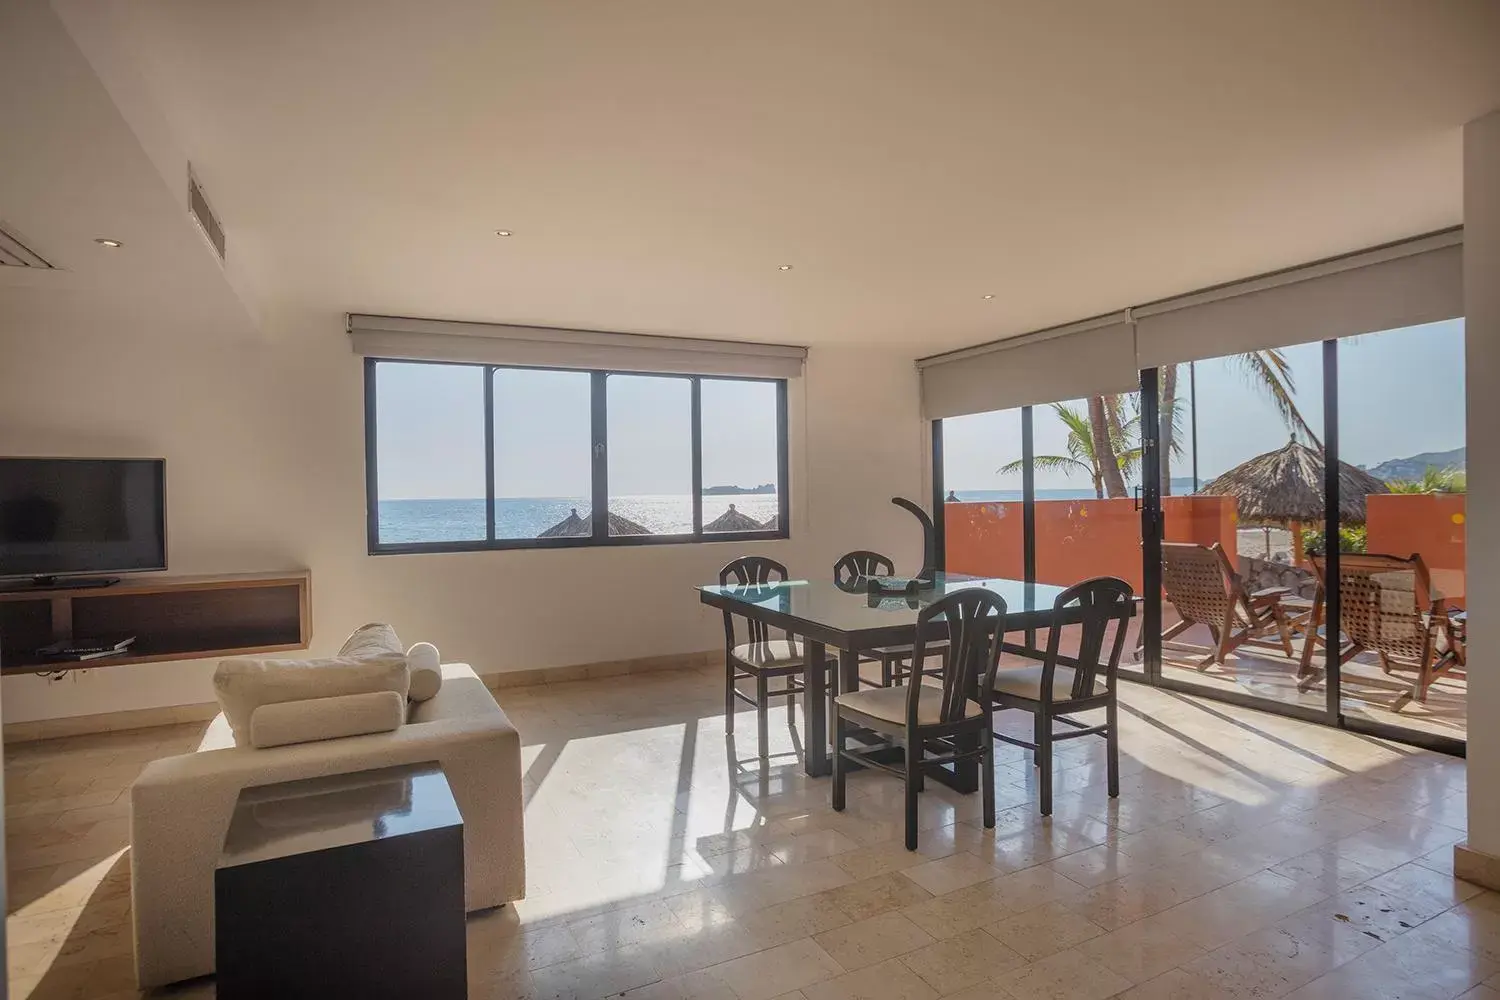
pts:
[1104, 442]
[1267, 371]
[1103, 433]
[1082, 454]
[1434, 480]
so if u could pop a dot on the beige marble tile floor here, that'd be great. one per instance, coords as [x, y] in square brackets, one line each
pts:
[1248, 856]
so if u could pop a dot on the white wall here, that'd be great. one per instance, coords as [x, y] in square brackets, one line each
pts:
[265, 467]
[1482, 362]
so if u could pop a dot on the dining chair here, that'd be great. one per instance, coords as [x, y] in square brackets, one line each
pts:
[760, 658]
[1054, 692]
[946, 712]
[851, 572]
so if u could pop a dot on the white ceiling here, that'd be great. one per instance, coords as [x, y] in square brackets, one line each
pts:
[73, 171]
[658, 160]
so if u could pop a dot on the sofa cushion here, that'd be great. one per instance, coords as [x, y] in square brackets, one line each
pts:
[314, 719]
[426, 671]
[242, 686]
[373, 639]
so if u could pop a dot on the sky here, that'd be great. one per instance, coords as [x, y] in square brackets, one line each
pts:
[1401, 392]
[430, 433]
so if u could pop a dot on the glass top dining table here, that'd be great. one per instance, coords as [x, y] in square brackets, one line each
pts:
[850, 619]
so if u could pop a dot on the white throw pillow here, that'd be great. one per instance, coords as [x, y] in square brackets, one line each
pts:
[288, 722]
[243, 686]
[426, 671]
[372, 640]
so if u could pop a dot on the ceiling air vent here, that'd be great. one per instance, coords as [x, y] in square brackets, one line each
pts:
[204, 215]
[14, 253]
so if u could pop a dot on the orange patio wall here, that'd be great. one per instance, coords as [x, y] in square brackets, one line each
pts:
[1430, 524]
[1077, 539]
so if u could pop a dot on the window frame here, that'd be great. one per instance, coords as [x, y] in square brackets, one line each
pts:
[599, 446]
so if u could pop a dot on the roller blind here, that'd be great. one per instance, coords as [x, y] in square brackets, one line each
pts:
[1081, 359]
[1405, 284]
[544, 347]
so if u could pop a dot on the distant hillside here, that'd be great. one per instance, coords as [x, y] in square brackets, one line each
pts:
[1395, 469]
[719, 491]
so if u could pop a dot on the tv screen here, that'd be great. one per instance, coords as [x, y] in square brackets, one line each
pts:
[62, 516]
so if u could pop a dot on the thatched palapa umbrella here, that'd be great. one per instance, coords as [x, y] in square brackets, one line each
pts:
[772, 522]
[575, 526]
[1286, 487]
[733, 520]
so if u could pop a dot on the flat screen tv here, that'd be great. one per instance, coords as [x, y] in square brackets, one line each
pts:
[60, 517]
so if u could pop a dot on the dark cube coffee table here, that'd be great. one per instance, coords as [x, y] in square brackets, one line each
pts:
[350, 885]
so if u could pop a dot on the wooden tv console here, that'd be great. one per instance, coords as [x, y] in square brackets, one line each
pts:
[172, 618]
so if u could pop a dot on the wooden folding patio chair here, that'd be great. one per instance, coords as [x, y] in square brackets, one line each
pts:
[1386, 607]
[1204, 588]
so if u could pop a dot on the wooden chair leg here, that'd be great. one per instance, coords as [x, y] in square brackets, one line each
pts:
[762, 713]
[1036, 738]
[913, 772]
[1226, 643]
[1112, 746]
[1173, 631]
[1044, 754]
[838, 764]
[886, 670]
[1213, 654]
[1284, 631]
[729, 696]
[987, 775]
[791, 702]
[831, 685]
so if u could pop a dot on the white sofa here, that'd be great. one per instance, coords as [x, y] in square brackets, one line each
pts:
[180, 809]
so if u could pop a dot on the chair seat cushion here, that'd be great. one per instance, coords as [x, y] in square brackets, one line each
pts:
[1026, 682]
[772, 654]
[889, 704]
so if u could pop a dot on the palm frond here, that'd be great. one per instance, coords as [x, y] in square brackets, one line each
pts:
[1062, 463]
[1270, 372]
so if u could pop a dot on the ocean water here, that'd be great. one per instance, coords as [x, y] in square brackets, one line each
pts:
[403, 521]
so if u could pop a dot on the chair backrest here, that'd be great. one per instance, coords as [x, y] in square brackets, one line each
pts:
[974, 620]
[1198, 580]
[1383, 601]
[749, 571]
[860, 563]
[1102, 609]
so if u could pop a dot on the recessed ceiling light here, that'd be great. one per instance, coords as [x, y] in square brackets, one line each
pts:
[783, 267]
[503, 232]
[109, 243]
[989, 296]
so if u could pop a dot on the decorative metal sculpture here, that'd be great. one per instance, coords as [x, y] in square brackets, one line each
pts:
[929, 540]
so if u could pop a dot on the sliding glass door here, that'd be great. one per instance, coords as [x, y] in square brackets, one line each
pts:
[1214, 491]
[1402, 613]
[1359, 440]
[1235, 575]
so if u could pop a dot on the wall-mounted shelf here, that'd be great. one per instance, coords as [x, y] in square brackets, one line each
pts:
[172, 617]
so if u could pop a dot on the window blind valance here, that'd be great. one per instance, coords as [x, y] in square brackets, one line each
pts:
[400, 338]
[1404, 284]
[1066, 362]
